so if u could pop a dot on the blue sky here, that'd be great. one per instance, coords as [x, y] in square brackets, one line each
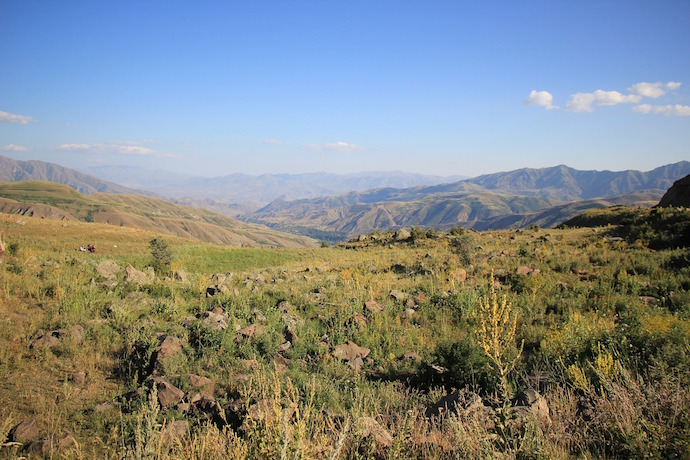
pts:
[213, 88]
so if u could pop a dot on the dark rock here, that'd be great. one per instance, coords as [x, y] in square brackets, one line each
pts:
[251, 331]
[372, 306]
[168, 394]
[368, 427]
[169, 348]
[350, 351]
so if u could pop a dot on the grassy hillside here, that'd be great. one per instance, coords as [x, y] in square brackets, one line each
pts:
[559, 343]
[47, 199]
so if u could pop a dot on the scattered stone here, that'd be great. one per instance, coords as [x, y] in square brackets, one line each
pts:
[215, 321]
[180, 275]
[134, 276]
[24, 432]
[197, 381]
[108, 270]
[397, 295]
[369, 427]
[47, 446]
[251, 331]
[420, 298]
[283, 347]
[459, 275]
[360, 320]
[457, 401]
[53, 338]
[175, 430]
[412, 356]
[523, 270]
[79, 378]
[105, 407]
[281, 363]
[350, 351]
[169, 348]
[402, 235]
[409, 313]
[168, 394]
[372, 306]
[258, 316]
[290, 334]
[410, 303]
[534, 403]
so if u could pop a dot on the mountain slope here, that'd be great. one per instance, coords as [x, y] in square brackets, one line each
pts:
[16, 170]
[568, 184]
[51, 200]
[678, 194]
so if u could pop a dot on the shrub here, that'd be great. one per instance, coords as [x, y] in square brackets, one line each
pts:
[161, 254]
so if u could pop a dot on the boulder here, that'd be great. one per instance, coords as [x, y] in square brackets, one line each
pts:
[108, 270]
[79, 378]
[397, 295]
[215, 321]
[523, 270]
[459, 275]
[169, 348]
[51, 445]
[251, 331]
[53, 338]
[372, 306]
[458, 401]
[532, 402]
[24, 432]
[134, 276]
[180, 275]
[368, 427]
[350, 351]
[402, 235]
[168, 394]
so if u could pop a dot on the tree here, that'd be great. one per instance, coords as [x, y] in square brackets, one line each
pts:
[161, 254]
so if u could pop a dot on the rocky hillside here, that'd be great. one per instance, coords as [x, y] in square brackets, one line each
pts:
[678, 194]
[15, 170]
[50, 200]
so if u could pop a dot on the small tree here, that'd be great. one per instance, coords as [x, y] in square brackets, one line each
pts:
[161, 254]
[497, 325]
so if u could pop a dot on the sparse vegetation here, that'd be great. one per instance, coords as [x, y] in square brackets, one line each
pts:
[375, 348]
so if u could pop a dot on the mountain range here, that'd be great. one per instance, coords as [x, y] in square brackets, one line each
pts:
[513, 199]
[545, 197]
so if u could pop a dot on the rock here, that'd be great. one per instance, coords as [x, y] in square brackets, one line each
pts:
[168, 394]
[291, 334]
[167, 350]
[24, 432]
[412, 356]
[180, 275]
[534, 402]
[523, 270]
[53, 338]
[356, 364]
[105, 407]
[409, 313]
[281, 363]
[402, 235]
[457, 401]
[108, 270]
[78, 378]
[48, 446]
[251, 331]
[215, 321]
[258, 316]
[197, 381]
[372, 306]
[283, 347]
[360, 320]
[367, 427]
[397, 295]
[134, 276]
[678, 195]
[175, 430]
[350, 351]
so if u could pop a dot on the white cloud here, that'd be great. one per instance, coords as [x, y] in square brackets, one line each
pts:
[273, 142]
[675, 110]
[653, 90]
[13, 148]
[339, 146]
[12, 118]
[115, 148]
[73, 147]
[580, 102]
[614, 97]
[541, 98]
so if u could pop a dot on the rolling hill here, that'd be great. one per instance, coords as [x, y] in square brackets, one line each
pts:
[51, 200]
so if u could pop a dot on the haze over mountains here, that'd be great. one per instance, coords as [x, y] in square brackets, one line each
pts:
[545, 197]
